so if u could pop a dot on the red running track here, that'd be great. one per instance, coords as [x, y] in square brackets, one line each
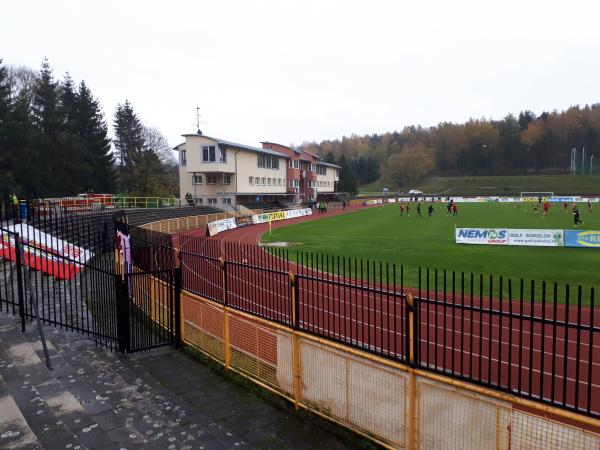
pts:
[529, 350]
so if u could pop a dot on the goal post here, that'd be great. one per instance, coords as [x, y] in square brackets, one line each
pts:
[537, 194]
[530, 196]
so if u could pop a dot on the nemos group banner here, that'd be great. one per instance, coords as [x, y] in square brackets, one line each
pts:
[44, 252]
[582, 238]
[536, 238]
[482, 236]
[528, 237]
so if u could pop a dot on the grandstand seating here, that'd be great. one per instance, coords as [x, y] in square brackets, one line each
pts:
[77, 227]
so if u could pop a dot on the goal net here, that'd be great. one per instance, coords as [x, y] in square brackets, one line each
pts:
[536, 196]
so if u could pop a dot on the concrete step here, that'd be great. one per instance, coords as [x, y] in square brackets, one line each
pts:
[96, 399]
[15, 432]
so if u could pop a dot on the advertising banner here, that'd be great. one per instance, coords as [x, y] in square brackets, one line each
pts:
[582, 238]
[482, 236]
[281, 215]
[375, 201]
[561, 199]
[44, 252]
[243, 221]
[536, 238]
[291, 213]
[268, 217]
[221, 225]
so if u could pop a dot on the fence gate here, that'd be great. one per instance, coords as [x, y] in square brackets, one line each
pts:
[148, 309]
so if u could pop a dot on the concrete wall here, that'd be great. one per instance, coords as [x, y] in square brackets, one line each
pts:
[247, 166]
[193, 147]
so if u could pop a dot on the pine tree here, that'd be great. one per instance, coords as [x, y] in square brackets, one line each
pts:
[347, 181]
[74, 160]
[92, 131]
[129, 144]
[7, 179]
[48, 122]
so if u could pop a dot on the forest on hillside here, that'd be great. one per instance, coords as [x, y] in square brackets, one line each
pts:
[515, 145]
[54, 140]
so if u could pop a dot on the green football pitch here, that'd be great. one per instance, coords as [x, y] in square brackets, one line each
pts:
[381, 234]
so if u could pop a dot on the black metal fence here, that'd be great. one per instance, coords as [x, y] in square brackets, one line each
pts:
[77, 279]
[536, 341]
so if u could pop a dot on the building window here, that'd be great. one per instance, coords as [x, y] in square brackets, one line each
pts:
[222, 155]
[269, 181]
[211, 179]
[208, 153]
[212, 201]
[196, 179]
[296, 164]
[198, 201]
[251, 181]
[321, 170]
[279, 181]
[291, 164]
[226, 201]
[183, 158]
[311, 168]
[268, 161]
[263, 181]
[226, 179]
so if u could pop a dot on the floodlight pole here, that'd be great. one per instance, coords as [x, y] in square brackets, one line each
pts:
[573, 160]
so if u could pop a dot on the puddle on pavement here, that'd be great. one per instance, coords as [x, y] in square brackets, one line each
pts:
[280, 244]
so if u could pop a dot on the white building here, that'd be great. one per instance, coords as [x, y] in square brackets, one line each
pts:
[221, 173]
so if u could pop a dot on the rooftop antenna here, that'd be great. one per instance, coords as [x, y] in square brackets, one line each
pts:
[198, 121]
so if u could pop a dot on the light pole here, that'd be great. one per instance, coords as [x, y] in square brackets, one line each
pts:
[583, 161]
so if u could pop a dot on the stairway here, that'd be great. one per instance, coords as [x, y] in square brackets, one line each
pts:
[92, 399]
[95, 399]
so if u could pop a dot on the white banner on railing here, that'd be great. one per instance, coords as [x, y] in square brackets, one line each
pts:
[281, 215]
[44, 252]
[221, 225]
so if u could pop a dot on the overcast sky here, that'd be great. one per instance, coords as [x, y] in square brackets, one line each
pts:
[290, 71]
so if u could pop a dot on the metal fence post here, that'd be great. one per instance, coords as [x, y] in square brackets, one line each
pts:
[123, 326]
[412, 381]
[226, 339]
[20, 292]
[177, 307]
[294, 289]
[296, 371]
[223, 265]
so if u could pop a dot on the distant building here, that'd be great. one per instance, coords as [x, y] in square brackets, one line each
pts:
[307, 174]
[221, 173]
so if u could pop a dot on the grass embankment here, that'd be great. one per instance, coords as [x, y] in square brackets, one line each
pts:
[498, 185]
[381, 234]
